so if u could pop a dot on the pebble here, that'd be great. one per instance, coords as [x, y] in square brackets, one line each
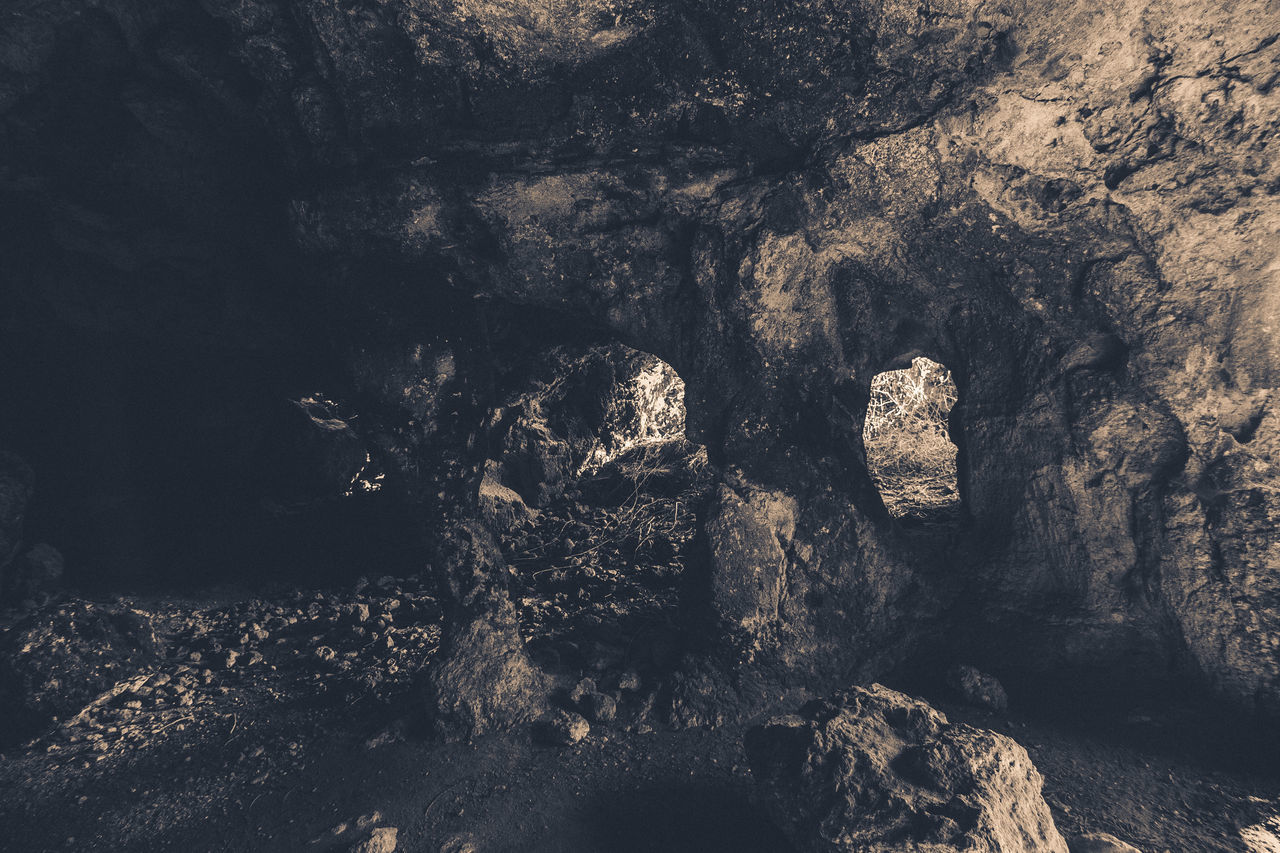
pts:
[599, 707]
[381, 840]
[562, 728]
[582, 690]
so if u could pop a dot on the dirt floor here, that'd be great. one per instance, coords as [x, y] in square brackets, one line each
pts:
[287, 719]
[267, 766]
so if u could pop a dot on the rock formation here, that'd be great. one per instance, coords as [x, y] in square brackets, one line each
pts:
[875, 771]
[59, 660]
[1072, 207]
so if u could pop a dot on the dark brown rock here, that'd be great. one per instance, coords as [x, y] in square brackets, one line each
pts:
[561, 728]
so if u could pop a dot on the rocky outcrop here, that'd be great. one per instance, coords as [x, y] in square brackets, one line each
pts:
[1073, 208]
[58, 660]
[483, 680]
[875, 771]
[574, 408]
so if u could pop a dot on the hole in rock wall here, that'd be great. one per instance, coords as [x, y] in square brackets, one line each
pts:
[646, 411]
[600, 546]
[910, 454]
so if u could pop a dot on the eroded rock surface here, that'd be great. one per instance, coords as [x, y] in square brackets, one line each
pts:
[483, 679]
[876, 771]
[1073, 208]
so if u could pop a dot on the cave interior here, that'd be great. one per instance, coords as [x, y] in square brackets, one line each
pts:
[420, 413]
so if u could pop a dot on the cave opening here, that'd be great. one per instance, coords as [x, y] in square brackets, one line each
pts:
[610, 493]
[910, 453]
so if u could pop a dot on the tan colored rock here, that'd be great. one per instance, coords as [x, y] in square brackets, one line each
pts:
[875, 771]
[381, 840]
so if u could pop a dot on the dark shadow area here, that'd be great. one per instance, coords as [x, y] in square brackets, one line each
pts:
[676, 818]
[1150, 717]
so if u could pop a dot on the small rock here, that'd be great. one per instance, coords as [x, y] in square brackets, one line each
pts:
[325, 653]
[1099, 842]
[562, 728]
[229, 658]
[599, 707]
[630, 681]
[381, 840]
[365, 821]
[978, 688]
[582, 690]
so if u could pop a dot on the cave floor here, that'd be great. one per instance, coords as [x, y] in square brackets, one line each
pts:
[275, 759]
[280, 714]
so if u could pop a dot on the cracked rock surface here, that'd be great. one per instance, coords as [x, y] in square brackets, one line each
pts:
[875, 770]
[1072, 207]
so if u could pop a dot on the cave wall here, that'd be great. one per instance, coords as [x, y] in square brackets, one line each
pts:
[1072, 207]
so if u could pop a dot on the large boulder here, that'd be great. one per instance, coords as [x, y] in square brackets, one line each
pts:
[58, 660]
[875, 771]
[482, 680]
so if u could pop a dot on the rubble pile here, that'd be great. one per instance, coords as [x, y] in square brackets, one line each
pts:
[365, 644]
[598, 573]
[370, 642]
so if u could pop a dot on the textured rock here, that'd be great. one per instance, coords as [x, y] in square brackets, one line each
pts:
[875, 770]
[978, 688]
[1099, 842]
[1074, 208]
[381, 840]
[561, 728]
[501, 508]
[61, 658]
[483, 679]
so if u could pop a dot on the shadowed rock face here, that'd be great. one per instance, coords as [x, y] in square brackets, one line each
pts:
[874, 770]
[1073, 208]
